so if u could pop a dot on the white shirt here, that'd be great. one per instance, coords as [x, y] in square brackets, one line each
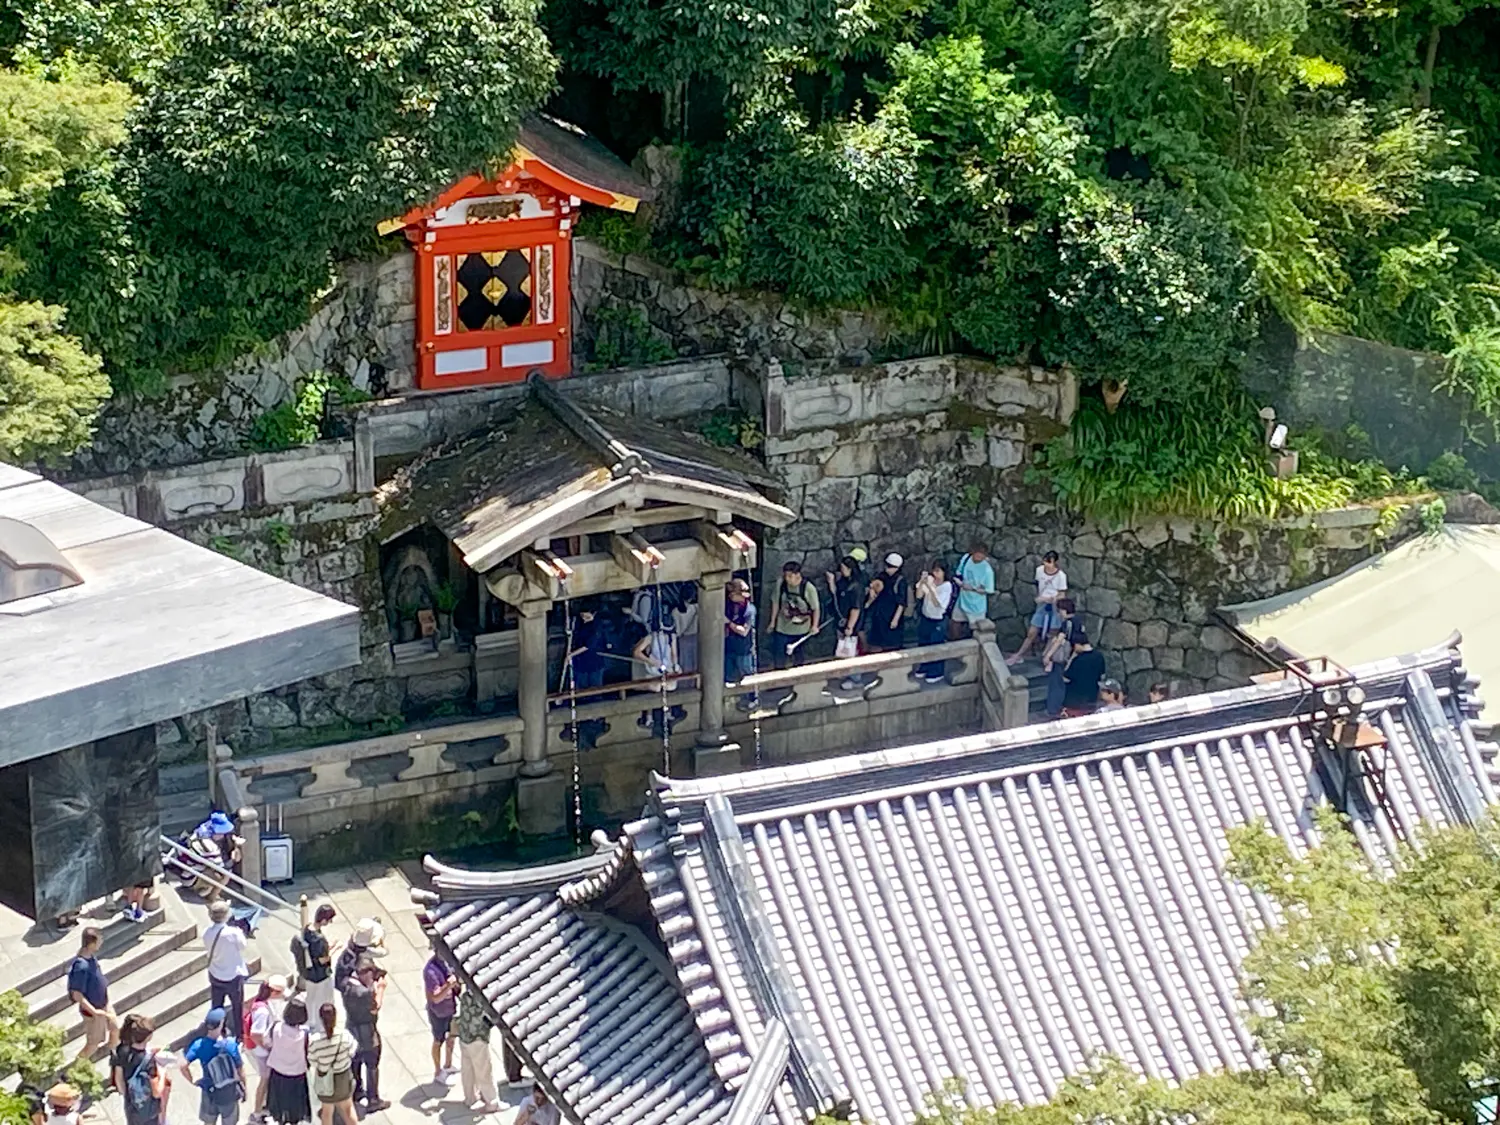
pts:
[935, 599]
[540, 1115]
[1050, 586]
[226, 946]
[288, 1054]
[260, 1023]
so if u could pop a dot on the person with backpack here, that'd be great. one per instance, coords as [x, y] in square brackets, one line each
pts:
[935, 594]
[286, 1097]
[316, 965]
[223, 1082]
[794, 617]
[975, 577]
[330, 1055]
[656, 657]
[137, 1074]
[227, 971]
[368, 938]
[265, 1011]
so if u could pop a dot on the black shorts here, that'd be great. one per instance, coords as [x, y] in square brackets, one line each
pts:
[441, 1026]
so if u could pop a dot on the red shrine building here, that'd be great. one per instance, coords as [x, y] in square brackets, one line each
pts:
[493, 258]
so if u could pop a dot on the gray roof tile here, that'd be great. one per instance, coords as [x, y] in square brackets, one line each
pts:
[1000, 907]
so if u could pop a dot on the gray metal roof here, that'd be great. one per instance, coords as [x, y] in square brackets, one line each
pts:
[158, 627]
[1002, 907]
[588, 1000]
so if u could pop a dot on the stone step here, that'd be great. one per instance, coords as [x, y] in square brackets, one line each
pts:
[178, 997]
[51, 996]
[30, 972]
[133, 993]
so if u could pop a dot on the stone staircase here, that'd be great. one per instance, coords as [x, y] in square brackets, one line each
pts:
[157, 967]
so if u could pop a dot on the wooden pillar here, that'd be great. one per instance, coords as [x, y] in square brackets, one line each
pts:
[541, 792]
[531, 688]
[711, 657]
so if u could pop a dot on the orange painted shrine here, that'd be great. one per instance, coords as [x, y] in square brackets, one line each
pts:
[493, 259]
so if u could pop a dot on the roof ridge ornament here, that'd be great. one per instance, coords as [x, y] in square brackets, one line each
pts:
[623, 461]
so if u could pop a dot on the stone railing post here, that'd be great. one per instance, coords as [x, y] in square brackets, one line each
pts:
[1015, 702]
[250, 869]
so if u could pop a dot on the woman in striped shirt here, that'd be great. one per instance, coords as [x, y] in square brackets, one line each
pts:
[330, 1057]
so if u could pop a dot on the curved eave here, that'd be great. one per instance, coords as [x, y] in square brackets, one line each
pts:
[664, 488]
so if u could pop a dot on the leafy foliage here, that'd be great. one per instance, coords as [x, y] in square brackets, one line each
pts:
[624, 338]
[1374, 1002]
[644, 44]
[299, 420]
[51, 388]
[277, 137]
[820, 212]
[1206, 461]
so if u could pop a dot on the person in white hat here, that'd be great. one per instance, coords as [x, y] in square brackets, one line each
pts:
[265, 1012]
[368, 937]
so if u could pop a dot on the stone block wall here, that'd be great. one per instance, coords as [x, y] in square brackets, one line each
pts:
[698, 321]
[364, 328]
[923, 457]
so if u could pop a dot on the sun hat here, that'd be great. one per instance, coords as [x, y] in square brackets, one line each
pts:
[217, 824]
[62, 1092]
[368, 934]
[276, 982]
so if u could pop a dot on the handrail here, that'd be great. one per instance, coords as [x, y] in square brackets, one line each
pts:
[269, 901]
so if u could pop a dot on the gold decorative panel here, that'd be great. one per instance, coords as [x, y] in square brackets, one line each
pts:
[442, 295]
[494, 290]
[544, 296]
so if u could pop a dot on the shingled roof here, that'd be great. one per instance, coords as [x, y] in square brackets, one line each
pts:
[555, 461]
[998, 907]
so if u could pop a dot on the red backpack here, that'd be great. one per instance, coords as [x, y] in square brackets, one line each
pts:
[255, 1006]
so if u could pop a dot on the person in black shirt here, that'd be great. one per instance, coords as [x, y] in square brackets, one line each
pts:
[319, 973]
[886, 615]
[848, 590]
[1083, 675]
[587, 655]
[134, 1060]
[1058, 652]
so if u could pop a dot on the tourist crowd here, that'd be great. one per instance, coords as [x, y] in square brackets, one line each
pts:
[311, 1056]
[853, 610]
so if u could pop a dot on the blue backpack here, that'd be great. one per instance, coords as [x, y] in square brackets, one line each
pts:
[138, 1096]
[221, 1078]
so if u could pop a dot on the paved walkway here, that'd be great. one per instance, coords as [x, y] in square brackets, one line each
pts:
[383, 892]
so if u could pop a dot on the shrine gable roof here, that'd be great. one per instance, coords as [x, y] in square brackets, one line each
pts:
[555, 462]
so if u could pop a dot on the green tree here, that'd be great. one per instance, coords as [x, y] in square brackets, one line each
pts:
[643, 44]
[1376, 1001]
[51, 388]
[276, 138]
[819, 213]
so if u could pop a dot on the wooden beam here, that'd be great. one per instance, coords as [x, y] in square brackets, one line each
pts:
[635, 556]
[547, 571]
[731, 547]
[625, 519]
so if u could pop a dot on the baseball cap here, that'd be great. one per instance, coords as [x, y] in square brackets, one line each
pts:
[215, 1018]
[858, 554]
[893, 559]
[1112, 686]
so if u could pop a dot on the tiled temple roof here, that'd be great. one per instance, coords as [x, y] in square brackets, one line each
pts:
[1003, 907]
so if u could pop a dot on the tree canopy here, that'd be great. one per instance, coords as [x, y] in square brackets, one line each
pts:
[1376, 1002]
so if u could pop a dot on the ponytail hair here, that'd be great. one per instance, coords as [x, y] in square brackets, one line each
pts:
[329, 1015]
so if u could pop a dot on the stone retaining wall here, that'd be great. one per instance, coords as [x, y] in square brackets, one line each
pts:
[695, 321]
[922, 457]
[365, 329]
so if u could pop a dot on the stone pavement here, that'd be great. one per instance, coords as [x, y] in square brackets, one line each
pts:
[380, 891]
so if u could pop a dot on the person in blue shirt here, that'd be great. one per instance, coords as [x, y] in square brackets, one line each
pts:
[88, 987]
[975, 575]
[223, 1083]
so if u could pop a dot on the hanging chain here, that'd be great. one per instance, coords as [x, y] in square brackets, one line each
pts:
[755, 707]
[572, 688]
[666, 718]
